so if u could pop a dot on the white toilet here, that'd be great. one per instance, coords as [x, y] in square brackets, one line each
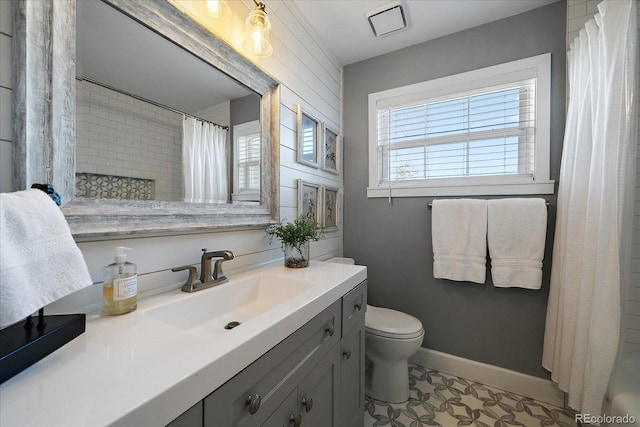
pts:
[391, 337]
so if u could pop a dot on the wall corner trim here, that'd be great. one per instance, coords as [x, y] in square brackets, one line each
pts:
[525, 385]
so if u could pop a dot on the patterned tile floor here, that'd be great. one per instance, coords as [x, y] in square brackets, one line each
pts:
[439, 399]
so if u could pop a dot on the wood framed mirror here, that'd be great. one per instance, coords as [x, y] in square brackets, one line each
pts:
[45, 132]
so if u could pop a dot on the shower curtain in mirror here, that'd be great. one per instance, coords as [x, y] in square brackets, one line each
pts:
[595, 204]
[204, 163]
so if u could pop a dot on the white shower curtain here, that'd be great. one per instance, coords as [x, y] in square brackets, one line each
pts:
[204, 163]
[594, 207]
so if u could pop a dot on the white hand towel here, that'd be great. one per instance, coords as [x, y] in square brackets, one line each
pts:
[39, 260]
[459, 237]
[517, 231]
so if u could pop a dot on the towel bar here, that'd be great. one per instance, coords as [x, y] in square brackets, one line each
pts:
[430, 204]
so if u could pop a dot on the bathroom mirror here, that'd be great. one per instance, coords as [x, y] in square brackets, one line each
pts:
[135, 91]
[48, 160]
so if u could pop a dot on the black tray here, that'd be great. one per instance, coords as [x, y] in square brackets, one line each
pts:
[25, 343]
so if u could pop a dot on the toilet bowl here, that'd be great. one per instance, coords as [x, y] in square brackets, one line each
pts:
[391, 337]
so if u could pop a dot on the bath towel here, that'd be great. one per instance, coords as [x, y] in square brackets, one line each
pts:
[516, 234]
[459, 237]
[39, 260]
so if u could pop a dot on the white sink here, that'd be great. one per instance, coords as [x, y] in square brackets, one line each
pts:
[206, 313]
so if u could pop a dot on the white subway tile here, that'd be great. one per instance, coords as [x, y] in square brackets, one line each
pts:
[6, 130]
[6, 166]
[577, 23]
[6, 23]
[575, 9]
[592, 7]
[5, 63]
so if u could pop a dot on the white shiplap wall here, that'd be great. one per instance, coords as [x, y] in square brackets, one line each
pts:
[578, 13]
[309, 76]
[6, 144]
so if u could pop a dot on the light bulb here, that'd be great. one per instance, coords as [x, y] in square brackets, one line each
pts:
[257, 28]
[213, 9]
[257, 42]
[213, 6]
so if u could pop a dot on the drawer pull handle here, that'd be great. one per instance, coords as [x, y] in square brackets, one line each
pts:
[254, 403]
[330, 330]
[347, 354]
[307, 402]
[295, 420]
[358, 307]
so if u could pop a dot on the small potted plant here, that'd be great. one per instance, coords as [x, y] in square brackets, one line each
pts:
[295, 237]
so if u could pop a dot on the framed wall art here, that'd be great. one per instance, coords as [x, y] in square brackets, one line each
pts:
[309, 198]
[308, 130]
[330, 207]
[330, 150]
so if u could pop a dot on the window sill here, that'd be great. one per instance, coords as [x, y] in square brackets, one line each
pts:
[466, 189]
[246, 197]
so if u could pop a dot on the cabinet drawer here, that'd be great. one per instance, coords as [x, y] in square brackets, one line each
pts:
[354, 305]
[274, 375]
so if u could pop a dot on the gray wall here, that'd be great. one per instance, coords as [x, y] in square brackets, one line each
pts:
[502, 327]
[245, 109]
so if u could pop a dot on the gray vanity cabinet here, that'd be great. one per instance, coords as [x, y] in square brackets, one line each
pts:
[249, 398]
[313, 378]
[190, 418]
[286, 415]
[314, 402]
[354, 305]
[318, 393]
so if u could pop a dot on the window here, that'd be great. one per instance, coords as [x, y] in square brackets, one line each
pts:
[484, 132]
[246, 170]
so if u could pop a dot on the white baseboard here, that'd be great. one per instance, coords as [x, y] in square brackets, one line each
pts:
[494, 376]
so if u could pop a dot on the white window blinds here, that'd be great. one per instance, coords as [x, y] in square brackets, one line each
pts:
[485, 132]
[246, 161]
[248, 156]
[481, 132]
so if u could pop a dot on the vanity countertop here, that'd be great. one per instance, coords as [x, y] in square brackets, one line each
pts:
[135, 370]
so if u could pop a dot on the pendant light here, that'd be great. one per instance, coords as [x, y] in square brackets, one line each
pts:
[257, 32]
[214, 9]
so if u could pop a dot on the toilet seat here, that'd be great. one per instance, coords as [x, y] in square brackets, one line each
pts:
[389, 323]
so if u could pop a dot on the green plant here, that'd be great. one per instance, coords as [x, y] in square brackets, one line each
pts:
[295, 237]
[302, 229]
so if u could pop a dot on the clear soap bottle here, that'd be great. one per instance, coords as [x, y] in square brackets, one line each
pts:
[120, 289]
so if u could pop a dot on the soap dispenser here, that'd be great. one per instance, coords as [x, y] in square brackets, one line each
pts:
[120, 288]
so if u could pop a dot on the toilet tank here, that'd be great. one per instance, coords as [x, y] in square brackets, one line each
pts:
[339, 260]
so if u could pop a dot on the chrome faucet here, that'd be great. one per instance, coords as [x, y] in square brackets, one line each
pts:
[208, 276]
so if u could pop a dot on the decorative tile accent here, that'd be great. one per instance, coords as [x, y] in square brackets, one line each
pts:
[99, 186]
[439, 399]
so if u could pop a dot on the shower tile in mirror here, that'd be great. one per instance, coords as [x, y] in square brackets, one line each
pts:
[98, 186]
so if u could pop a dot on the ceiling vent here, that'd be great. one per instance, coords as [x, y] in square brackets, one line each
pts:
[387, 19]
